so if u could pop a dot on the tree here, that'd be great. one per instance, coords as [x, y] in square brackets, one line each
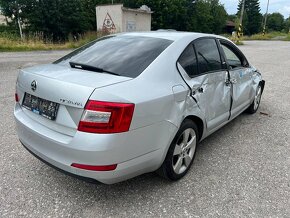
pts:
[232, 17]
[199, 17]
[57, 19]
[13, 10]
[287, 24]
[184, 15]
[54, 19]
[219, 16]
[275, 22]
[206, 16]
[170, 14]
[252, 20]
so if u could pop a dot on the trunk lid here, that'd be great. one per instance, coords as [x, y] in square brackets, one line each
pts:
[70, 88]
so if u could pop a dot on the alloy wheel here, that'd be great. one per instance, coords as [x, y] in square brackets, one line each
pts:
[258, 98]
[184, 151]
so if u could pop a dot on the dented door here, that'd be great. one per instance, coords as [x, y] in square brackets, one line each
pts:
[240, 77]
[241, 84]
[214, 99]
[207, 79]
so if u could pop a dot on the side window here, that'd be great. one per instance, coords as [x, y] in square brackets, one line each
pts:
[208, 55]
[232, 57]
[188, 61]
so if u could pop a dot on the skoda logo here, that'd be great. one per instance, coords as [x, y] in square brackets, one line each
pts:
[33, 85]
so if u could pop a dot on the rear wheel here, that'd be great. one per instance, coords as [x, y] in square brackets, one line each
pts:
[181, 152]
[256, 103]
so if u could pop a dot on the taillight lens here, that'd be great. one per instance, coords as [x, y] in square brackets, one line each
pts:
[16, 97]
[106, 117]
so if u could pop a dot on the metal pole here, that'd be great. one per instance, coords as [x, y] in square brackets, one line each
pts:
[20, 28]
[242, 12]
[240, 30]
[265, 20]
[18, 12]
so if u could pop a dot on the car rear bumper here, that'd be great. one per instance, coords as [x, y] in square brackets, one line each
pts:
[60, 170]
[135, 152]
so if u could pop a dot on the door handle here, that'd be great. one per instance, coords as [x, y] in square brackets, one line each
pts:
[228, 82]
[231, 81]
[200, 90]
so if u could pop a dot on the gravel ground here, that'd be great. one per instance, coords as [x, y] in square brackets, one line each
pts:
[243, 170]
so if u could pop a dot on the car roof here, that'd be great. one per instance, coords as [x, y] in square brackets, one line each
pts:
[171, 34]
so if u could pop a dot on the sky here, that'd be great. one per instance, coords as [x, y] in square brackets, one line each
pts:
[281, 6]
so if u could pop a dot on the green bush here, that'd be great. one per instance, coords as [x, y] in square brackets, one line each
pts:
[9, 32]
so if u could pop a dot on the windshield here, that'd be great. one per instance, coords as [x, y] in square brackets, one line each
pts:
[124, 55]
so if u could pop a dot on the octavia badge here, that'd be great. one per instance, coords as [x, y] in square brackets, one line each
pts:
[33, 85]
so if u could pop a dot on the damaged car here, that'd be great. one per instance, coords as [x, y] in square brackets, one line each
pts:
[133, 103]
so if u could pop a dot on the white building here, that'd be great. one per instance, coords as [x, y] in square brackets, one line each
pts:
[2, 20]
[116, 18]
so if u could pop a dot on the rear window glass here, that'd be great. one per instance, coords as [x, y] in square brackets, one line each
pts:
[188, 61]
[208, 55]
[127, 56]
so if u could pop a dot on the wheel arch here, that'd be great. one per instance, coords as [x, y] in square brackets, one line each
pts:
[262, 84]
[199, 122]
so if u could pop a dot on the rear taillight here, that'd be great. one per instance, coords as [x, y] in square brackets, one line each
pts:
[16, 97]
[106, 117]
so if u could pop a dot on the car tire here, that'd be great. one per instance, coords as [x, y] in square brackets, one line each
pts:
[181, 152]
[257, 100]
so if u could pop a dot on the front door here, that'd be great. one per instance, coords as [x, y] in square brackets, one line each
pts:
[202, 68]
[240, 77]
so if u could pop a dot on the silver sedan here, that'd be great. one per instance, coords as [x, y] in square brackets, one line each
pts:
[133, 103]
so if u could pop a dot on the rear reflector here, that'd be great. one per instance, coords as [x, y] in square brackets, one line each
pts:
[16, 97]
[106, 117]
[95, 168]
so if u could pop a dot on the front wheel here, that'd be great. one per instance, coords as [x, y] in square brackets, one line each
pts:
[181, 152]
[256, 103]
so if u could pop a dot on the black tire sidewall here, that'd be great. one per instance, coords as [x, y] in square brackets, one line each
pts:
[167, 165]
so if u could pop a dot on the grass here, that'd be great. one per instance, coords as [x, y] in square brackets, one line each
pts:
[239, 43]
[287, 37]
[12, 43]
[279, 36]
[269, 36]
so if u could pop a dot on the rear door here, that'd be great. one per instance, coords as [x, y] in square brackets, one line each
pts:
[201, 65]
[240, 77]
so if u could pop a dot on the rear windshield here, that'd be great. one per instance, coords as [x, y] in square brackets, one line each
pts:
[127, 56]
